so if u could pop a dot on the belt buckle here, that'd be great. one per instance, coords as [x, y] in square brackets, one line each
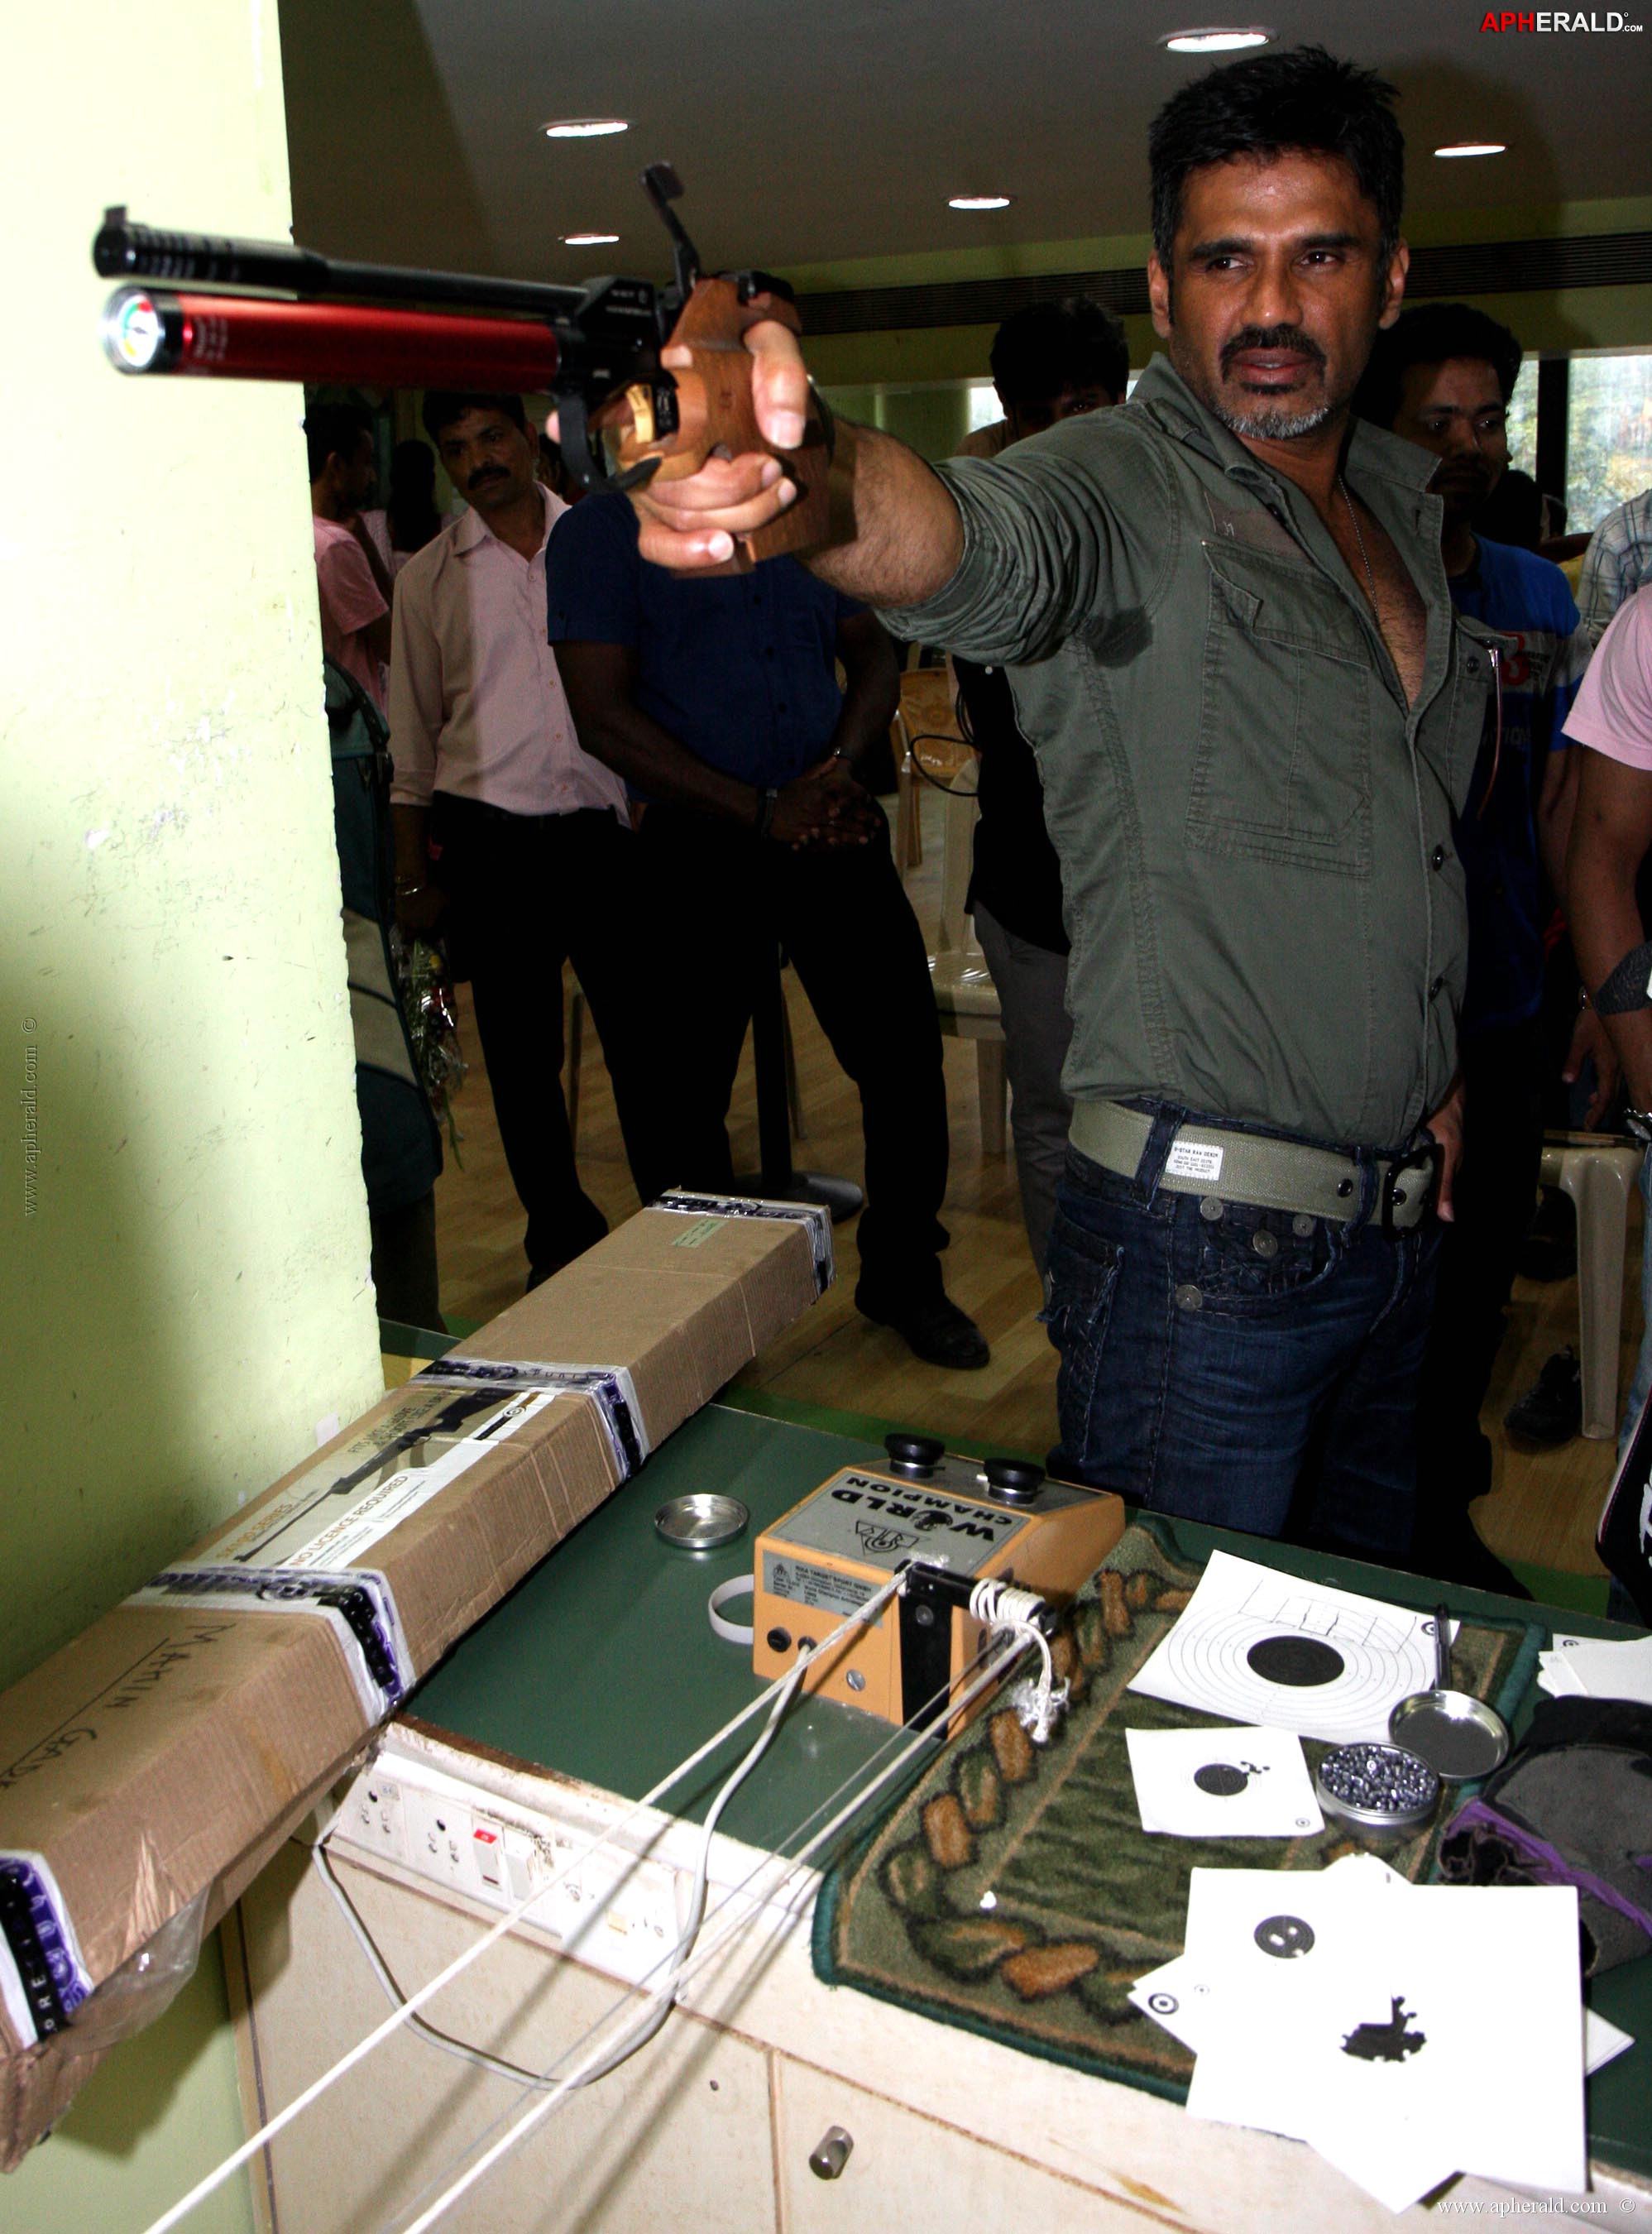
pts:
[1428, 1156]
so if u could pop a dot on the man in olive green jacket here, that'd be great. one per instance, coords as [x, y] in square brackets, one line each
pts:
[1253, 712]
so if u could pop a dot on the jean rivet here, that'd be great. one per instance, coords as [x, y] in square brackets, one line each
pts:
[1302, 1225]
[1264, 1243]
[1188, 1298]
[1210, 1208]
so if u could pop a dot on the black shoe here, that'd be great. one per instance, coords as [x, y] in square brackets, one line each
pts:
[933, 1328]
[1551, 1411]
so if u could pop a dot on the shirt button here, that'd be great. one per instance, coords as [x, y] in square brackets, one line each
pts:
[1439, 857]
[1433, 989]
[1471, 664]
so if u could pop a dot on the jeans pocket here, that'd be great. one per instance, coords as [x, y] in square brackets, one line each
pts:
[1084, 1269]
[1249, 1257]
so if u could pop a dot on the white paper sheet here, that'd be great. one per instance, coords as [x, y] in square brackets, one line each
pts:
[1405, 2031]
[1261, 1647]
[1603, 1667]
[1223, 1784]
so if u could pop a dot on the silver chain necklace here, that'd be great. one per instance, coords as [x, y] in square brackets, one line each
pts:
[1353, 522]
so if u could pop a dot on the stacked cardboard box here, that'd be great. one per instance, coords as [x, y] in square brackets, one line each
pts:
[150, 1768]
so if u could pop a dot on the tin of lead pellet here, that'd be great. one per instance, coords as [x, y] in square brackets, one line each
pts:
[701, 1521]
[1377, 1792]
[1457, 1734]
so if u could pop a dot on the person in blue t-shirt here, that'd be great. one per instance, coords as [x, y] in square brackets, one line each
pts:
[1442, 376]
[717, 700]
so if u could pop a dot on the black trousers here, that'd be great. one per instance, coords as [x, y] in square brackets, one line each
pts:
[1496, 1187]
[723, 901]
[528, 893]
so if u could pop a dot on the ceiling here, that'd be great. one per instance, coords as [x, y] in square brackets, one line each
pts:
[814, 135]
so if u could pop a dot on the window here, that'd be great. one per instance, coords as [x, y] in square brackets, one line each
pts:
[1609, 435]
[1523, 420]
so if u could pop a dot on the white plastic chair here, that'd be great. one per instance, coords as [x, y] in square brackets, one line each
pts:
[1599, 1175]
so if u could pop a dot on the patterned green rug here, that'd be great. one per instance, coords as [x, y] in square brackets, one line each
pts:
[1014, 1892]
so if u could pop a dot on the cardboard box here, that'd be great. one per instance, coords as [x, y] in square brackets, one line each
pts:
[158, 1761]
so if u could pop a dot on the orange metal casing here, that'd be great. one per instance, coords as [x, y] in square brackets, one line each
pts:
[807, 1576]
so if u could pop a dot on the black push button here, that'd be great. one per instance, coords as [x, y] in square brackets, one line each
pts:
[779, 1639]
[919, 1454]
[1018, 1479]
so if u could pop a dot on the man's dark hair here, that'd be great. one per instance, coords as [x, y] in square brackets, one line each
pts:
[443, 405]
[1433, 334]
[1048, 347]
[1270, 105]
[333, 430]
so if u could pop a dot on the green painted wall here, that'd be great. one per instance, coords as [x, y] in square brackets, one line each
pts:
[183, 1228]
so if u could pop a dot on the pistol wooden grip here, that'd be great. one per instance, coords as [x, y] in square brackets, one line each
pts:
[715, 412]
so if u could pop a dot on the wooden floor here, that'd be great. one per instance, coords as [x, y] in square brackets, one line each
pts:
[1541, 1510]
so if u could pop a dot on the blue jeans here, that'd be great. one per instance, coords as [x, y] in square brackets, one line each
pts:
[1240, 1366]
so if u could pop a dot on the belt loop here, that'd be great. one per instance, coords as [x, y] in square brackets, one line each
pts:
[1168, 1120]
[1370, 1187]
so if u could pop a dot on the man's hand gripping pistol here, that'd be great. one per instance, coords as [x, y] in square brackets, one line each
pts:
[648, 382]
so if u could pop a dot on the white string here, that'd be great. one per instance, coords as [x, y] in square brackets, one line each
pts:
[1008, 1610]
[559, 2094]
[347, 2062]
[546, 2078]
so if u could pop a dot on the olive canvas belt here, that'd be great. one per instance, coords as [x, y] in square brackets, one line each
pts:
[1252, 1168]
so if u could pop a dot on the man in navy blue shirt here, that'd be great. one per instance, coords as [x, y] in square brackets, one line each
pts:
[1442, 377]
[717, 700]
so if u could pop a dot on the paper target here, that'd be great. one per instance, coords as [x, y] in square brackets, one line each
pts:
[1263, 1647]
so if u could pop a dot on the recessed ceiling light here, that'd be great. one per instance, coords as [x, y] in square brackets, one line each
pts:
[980, 201]
[1473, 147]
[584, 127]
[588, 240]
[1215, 40]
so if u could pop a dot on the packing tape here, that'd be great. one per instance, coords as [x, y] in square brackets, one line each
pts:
[42, 1978]
[811, 1216]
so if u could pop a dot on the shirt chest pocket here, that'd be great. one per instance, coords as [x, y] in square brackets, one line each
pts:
[1281, 765]
[1467, 728]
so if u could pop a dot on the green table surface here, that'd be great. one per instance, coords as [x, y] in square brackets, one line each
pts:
[602, 1665]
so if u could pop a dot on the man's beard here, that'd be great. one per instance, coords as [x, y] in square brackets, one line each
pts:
[1270, 419]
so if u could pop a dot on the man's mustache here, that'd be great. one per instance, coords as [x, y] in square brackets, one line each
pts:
[1272, 338]
[485, 473]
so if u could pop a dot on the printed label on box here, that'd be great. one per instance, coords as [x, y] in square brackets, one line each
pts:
[818, 1588]
[610, 1388]
[335, 1512]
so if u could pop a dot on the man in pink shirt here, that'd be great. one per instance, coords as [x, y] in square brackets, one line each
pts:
[1609, 891]
[507, 834]
[354, 580]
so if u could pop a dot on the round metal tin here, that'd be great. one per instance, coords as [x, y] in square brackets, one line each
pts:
[701, 1521]
[1374, 1824]
[1459, 1737]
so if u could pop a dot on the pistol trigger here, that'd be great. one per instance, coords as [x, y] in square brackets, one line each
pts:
[667, 417]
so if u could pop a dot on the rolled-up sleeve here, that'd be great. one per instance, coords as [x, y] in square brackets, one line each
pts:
[1047, 548]
[416, 712]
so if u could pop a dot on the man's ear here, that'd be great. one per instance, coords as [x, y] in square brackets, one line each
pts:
[1158, 297]
[1394, 284]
